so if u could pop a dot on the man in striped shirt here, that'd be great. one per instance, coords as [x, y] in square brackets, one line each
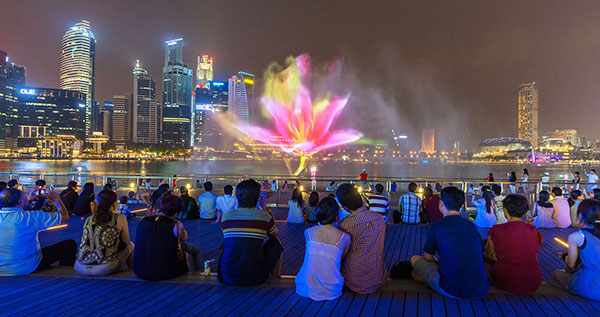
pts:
[245, 258]
[378, 202]
[410, 206]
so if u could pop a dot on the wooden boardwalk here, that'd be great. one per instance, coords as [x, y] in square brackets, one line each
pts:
[62, 292]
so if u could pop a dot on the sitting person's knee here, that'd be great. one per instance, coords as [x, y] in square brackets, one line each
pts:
[414, 259]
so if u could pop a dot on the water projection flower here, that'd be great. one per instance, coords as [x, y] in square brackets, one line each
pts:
[302, 128]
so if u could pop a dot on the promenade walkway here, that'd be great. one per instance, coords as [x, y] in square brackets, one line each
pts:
[60, 291]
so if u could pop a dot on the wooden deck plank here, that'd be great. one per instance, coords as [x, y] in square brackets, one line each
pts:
[397, 304]
[153, 290]
[491, 305]
[343, 303]
[424, 303]
[451, 307]
[560, 307]
[437, 304]
[328, 307]
[36, 296]
[48, 298]
[383, 306]
[259, 294]
[190, 293]
[221, 296]
[224, 306]
[356, 305]
[585, 305]
[465, 307]
[370, 305]
[269, 305]
[479, 308]
[504, 305]
[543, 303]
[518, 305]
[300, 307]
[313, 308]
[286, 306]
[530, 304]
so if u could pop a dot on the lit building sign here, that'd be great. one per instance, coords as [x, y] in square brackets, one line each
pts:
[173, 42]
[248, 81]
[81, 105]
[25, 91]
[217, 84]
[205, 107]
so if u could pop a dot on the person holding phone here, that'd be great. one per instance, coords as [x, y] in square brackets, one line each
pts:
[582, 260]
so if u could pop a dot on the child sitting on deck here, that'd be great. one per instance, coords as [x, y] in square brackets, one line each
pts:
[459, 272]
[512, 247]
[582, 261]
[541, 216]
[123, 208]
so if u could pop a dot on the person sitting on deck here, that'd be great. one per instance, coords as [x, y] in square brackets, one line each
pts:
[152, 198]
[410, 206]
[363, 269]
[226, 203]
[190, 206]
[486, 213]
[245, 259]
[499, 208]
[330, 187]
[512, 247]
[431, 206]
[69, 196]
[161, 248]
[562, 212]
[13, 183]
[297, 207]
[460, 272]
[582, 261]
[20, 251]
[208, 203]
[123, 208]
[311, 208]
[83, 204]
[105, 246]
[575, 198]
[378, 203]
[3, 186]
[319, 277]
[541, 216]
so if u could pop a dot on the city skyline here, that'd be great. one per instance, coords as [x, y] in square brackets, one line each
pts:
[489, 61]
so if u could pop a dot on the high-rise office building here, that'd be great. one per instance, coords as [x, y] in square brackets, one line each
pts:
[528, 113]
[50, 112]
[105, 118]
[145, 123]
[177, 96]
[12, 77]
[241, 95]
[77, 65]
[204, 70]
[210, 99]
[428, 141]
[568, 134]
[121, 127]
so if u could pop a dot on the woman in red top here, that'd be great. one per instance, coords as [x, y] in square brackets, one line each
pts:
[512, 247]
[431, 206]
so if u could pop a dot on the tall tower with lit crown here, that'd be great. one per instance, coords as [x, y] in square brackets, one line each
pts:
[145, 116]
[204, 71]
[528, 113]
[77, 65]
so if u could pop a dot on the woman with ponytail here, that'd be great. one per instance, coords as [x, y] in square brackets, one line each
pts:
[486, 212]
[581, 275]
[105, 245]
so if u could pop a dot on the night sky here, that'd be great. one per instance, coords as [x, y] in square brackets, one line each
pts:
[452, 65]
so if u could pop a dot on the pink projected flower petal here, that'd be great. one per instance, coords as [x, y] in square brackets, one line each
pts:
[338, 138]
[303, 112]
[303, 64]
[325, 118]
[281, 115]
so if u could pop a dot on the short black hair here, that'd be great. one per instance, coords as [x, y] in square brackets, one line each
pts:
[557, 191]
[349, 196]
[327, 211]
[497, 189]
[596, 192]
[427, 192]
[576, 173]
[123, 200]
[12, 182]
[515, 205]
[72, 184]
[593, 170]
[228, 190]
[10, 197]
[3, 186]
[40, 182]
[169, 204]
[208, 186]
[247, 193]
[412, 187]
[108, 187]
[379, 188]
[183, 190]
[453, 198]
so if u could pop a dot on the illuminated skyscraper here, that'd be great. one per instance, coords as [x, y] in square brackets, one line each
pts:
[12, 77]
[145, 116]
[121, 129]
[177, 96]
[241, 95]
[204, 71]
[528, 113]
[78, 50]
[210, 99]
[428, 141]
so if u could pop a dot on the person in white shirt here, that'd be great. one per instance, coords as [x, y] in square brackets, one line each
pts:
[226, 203]
[208, 203]
[274, 186]
[525, 179]
[592, 179]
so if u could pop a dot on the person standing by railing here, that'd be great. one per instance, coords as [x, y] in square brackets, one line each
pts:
[592, 179]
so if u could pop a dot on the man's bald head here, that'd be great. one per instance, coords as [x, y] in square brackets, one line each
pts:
[10, 197]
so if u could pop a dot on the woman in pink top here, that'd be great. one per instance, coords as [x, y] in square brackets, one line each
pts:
[562, 211]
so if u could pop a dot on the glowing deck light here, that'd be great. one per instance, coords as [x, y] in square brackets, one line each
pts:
[138, 210]
[132, 185]
[57, 227]
[301, 188]
[360, 189]
[561, 242]
[187, 186]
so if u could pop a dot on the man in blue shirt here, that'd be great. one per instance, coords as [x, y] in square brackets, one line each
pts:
[20, 251]
[460, 272]
[208, 203]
